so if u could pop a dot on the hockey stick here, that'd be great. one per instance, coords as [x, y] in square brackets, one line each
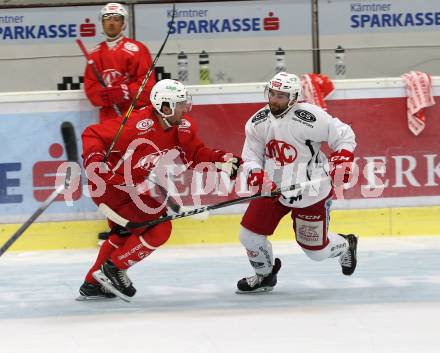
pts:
[174, 206]
[171, 203]
[113, 216]
[98, 76]
[68, 134]
[141, 88]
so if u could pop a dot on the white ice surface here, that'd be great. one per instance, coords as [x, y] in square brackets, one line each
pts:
[186, 303]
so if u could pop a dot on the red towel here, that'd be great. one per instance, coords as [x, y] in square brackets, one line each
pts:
[316, 88]
[419, 92]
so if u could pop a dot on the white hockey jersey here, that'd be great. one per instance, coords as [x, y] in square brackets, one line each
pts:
[288, 148]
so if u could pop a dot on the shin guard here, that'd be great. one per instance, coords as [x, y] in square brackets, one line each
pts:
[139, 246]
[105, 251]
[259, 251]
[134, 250]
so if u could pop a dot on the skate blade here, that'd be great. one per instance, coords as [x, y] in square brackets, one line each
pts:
[94, 298]
[261, 290]
[107, 284]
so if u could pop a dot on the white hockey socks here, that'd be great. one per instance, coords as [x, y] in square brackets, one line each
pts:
[259, 251]
[336, 246]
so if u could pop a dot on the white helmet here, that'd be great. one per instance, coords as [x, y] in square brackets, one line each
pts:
[114, 8]
[285, 82]
[171, 92]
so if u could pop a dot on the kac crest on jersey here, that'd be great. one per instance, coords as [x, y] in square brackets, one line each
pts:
[110, 76]
[282, 152]
[150, 161]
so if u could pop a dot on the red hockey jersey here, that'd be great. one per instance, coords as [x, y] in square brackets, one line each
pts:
[126, 63]
[143, 142]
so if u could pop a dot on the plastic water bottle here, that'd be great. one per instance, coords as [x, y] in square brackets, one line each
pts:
[204, 68]
[340, 63]
[182, 67]
[280, 64]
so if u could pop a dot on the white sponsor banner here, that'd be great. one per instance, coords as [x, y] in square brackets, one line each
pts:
[366, 16]
[49, 25]
[278, 22]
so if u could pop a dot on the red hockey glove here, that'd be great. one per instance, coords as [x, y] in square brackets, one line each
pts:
[340, 166]
[94, 164]
[258, 178]
[114, 95]
[227, 162]
[107, 172]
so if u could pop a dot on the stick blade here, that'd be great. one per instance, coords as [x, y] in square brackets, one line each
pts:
[69, 139]
[112, 215]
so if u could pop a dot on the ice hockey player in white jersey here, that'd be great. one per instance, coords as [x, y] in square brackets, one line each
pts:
[282, 148]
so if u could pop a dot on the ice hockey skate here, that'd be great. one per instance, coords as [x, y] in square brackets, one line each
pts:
[258, 283]
[348, 259]
[115, 280]
[90, 291]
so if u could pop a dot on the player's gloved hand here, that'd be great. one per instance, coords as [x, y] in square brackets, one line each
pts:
[340, 166]
[258, 178]
[114, 95]
[227, 162]
[94, 164]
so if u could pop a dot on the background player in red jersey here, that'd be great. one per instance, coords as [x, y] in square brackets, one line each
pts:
[123, 64]
[151, 135]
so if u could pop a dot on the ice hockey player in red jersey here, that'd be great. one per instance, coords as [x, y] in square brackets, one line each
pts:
[123, 64]
[149, 138]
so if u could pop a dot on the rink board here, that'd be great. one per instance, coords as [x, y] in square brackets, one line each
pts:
[223, 229]
[406, 166]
